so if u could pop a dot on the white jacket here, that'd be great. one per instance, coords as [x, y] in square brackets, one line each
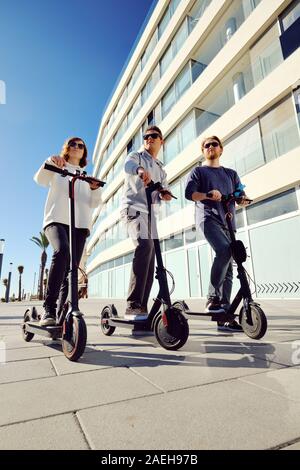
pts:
[57, 203]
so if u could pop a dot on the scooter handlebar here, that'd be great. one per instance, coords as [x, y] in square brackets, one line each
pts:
[231, 197]
[158, 187]
[151, 186]
[65, 172]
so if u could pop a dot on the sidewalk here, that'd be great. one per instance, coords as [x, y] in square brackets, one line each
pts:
[220, 391]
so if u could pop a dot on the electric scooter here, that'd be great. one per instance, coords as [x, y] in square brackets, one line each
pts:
[169, 325]
[70, 325]
[251, 317]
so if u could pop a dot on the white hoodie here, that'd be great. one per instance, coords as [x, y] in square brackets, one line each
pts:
[57, 203]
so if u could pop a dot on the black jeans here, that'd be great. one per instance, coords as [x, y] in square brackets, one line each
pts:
[58, 285]
[142, 270]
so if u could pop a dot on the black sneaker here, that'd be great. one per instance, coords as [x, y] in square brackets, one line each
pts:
[234, 326]
[47, 319]
[213, 305]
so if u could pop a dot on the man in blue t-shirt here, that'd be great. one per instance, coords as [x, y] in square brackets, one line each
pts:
[210, 220]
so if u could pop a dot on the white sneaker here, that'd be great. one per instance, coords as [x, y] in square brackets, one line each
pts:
[135, 314]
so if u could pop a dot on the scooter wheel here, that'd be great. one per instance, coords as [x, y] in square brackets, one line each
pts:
[175, 334]
[74, 347]
[26, 335]
[108, 312]
[259, 322]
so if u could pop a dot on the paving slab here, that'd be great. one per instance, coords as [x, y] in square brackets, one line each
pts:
[295, 446]
[46, 397]
[282, 353]
[58, 432]
[284, 382]
[22, 354]
[93, 360]
[234, 416]
[25, 370]
[203, 369]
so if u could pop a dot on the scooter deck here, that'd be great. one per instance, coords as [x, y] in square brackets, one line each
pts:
[124, 323]
[222, 317]
[48, 331]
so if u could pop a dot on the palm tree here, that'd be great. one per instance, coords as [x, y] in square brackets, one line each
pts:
[42, 243]
[5, 283]
[20, 269]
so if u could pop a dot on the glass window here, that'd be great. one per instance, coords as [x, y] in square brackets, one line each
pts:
[168, 101]
[173, 5]
[197, 69]
[149, 49]
[175, 241]
[171, 148]
[180, 37]
[194, 275]
[297, 103]
[279, 130]
[166, 60]
[197, 11]
[291, 14]
[204, 119]
[128, 258]
[239, 218]
[183, 81]
[164, 22]
[272, 207]
[266, 54]
[193, 235]
[244, 151]
[174, 205]
[187, 131]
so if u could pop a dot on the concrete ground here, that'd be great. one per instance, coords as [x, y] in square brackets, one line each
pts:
[220, 391]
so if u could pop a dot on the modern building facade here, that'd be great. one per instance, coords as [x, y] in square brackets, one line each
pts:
[208, 67]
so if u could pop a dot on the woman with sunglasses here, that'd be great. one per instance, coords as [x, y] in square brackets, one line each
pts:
[215, 179]
[73, 157]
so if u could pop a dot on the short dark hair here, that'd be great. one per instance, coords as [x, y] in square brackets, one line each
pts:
[155, 129]
[212, 137]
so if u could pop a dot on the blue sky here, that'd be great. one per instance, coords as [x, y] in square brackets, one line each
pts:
[60, 60]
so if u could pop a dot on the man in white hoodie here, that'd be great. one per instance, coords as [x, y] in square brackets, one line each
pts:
[56, 221]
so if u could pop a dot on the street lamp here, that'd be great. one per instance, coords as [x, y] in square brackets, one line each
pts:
[2, 241]
[8, 284]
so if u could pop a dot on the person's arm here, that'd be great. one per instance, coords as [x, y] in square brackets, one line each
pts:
[132, 164]
[44, 177]
[192, 187]
[243, 199]
[96, 198]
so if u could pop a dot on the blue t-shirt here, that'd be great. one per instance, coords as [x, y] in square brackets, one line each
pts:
[203, 179]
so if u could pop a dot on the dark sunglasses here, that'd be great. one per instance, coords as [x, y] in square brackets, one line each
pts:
[154, 135]
[76, 144]
[214, 144]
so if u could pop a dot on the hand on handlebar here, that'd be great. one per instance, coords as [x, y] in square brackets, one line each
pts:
[57, 161]
[165, 195]
[94, 183]
[243, 201]
[214, 195]
[144, 175]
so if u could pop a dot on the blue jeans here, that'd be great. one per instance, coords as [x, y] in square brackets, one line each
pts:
[221, 272]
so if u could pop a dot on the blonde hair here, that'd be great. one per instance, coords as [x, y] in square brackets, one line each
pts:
[65, 149]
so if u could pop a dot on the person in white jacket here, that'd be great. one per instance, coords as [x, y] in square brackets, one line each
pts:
[56, 221]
